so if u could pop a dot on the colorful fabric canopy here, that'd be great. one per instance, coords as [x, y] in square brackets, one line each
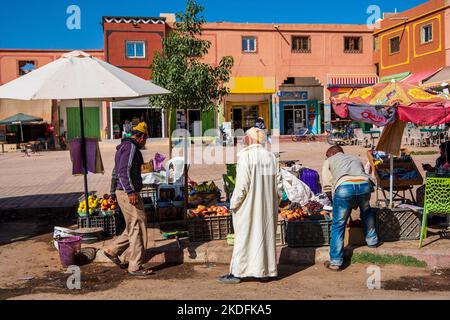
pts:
[376, 103]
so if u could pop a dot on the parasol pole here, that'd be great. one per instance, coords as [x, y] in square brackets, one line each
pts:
[84, 159]
[21, 131]
[391, 180]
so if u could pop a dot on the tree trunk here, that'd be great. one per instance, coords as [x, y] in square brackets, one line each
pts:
[169, 129]
[186, 168]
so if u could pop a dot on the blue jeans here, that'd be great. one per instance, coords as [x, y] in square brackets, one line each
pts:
[347, 197]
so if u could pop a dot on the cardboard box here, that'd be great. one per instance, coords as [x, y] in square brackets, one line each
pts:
[354, 236]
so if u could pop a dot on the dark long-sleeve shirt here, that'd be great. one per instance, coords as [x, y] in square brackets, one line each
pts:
[126, 175]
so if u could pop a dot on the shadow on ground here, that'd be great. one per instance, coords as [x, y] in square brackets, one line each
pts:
[24, 217]
[94, 278]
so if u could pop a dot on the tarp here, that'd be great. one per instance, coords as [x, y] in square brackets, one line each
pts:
[396, 77]
[437, 79]
[416, 78]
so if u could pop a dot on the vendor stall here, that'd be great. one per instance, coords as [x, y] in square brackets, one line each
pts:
[405, 172]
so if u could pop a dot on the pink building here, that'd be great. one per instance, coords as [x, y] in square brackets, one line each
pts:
[63, 115]
[287, 73]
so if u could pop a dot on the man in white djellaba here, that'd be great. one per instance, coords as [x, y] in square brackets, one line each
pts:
[254, 206]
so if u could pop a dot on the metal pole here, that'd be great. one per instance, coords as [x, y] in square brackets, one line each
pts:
[186, 192]
[21, 131]
[391, 180]
[84, 159]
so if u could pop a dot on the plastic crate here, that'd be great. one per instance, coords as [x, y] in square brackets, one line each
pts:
[150, 191]
[208, 229]
[111, 224]
[308, 233]
[167, 213]
[397, 224]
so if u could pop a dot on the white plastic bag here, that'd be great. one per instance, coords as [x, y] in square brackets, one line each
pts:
[296, 190]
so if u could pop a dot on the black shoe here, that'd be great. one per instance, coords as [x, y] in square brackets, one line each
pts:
[374, 246]
[229, 279]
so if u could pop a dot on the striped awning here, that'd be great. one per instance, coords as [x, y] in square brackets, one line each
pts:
[351, 81]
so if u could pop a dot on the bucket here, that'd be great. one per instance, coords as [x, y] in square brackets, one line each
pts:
[69, 248]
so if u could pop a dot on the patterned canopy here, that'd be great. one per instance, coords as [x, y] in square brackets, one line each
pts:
[382, 103]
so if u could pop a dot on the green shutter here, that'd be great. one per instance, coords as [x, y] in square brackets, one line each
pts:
[91, 122]
[207, 118]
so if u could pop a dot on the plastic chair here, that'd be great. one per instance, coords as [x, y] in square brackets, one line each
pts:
[360, 137]
[178, 169]
[437, 201]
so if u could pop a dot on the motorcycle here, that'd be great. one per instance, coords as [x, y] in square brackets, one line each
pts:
[342, 137]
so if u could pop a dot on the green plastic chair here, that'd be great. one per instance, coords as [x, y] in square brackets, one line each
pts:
[437, 201]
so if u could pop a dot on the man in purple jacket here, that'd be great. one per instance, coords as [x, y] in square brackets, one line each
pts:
[125, 186]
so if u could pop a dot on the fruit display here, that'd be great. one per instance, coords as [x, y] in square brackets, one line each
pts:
[299, 214]
[93, 205]
[108, 203]
[105, 204]
[205, 212]
[314, 207]
[205, 194]
[206, 187]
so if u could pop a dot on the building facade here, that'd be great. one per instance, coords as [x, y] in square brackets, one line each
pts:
[413, 45]
[287, 73]
[62, 115]
[131, 43]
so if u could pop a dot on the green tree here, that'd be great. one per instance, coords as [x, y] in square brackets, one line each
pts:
[179, 68]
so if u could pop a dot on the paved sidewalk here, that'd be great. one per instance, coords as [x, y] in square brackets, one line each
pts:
[435, 251]
[27, 182]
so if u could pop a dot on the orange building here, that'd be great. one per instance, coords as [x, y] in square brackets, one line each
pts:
[130, 43]
[63, 115]
[414, 44]
[286, 73]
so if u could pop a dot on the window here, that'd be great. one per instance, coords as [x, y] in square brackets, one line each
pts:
[301, 44]
[135, 49]
[248, 44]
[353, 44]
[26, 66]
[394, 45]
[426, 33]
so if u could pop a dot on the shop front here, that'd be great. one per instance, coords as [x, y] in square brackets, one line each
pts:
[138, 109]
[249, 99]
[243, 115]
[198, 122]
[300, 105]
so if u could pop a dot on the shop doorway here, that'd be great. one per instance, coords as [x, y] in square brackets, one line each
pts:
[193, 116]
[237, 118]
[244, 117]
[151, 116]
[294, 117]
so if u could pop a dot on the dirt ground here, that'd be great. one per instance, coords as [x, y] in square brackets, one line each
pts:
[30, 267]
[40, 276]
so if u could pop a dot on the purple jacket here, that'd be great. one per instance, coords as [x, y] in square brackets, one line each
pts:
[127, 169]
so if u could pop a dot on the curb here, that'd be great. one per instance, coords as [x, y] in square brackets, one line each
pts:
[220, 253]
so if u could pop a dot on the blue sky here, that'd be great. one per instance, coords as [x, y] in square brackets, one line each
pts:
[41, 24]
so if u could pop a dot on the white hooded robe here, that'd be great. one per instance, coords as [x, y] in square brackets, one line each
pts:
[255, 213]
